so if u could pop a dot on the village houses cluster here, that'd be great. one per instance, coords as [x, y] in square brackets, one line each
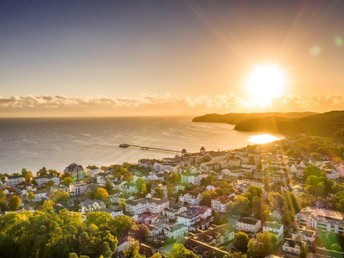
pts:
[173, 204]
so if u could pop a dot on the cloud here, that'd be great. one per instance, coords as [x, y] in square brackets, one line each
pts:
[154, 104]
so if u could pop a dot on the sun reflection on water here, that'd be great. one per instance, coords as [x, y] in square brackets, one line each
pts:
[263, 138]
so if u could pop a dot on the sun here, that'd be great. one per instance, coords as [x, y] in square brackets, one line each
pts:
[265, 83]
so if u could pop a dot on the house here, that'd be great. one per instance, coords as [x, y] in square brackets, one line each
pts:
[305, 235]
[196, 217]
[77, 171]
[192, 198]
[247, 224]
[45, 179]
[14, 180]
[220, 203]
[114, 211]
[321, 219]
[77, 189]
[187, 177]
[173, 210]
[273, 227]
[276, 214]
[91, 205]
[153, 205]
[41, 194]
[177, 231]
[293, 246]
[204, 250]
[216, 236]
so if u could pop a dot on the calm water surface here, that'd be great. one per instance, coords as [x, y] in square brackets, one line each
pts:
[55, 143]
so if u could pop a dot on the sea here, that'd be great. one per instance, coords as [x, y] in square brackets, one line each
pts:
[32, 143]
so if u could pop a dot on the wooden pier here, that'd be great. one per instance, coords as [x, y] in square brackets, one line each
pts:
[124, 145]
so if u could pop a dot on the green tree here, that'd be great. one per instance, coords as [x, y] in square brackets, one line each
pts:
[14, 202]
[122, 204]
[240, 241]
[31, 196]
[156, 255]
[27, 175]
[105, 250]
[60, 196]
[263, 245]
[100, 193]
[108, 186]
[67, 181]
[179, 251]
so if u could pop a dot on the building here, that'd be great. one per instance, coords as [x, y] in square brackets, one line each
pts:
[216, 236]
[45, 179]
[220, 204]
[77, 171]
[192, 198]
[204, 250]
[177, 231]
[273, 227]
[77, 189]
[91, 205]
[187, 177]
[153, 205]
[293, 246]
[305, 235]
[247, 224]
[14, 180]
[321, 219]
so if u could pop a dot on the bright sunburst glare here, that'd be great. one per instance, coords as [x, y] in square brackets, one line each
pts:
[265, 83]
[262, 138]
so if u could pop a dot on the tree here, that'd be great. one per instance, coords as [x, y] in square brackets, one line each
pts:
[31, 196]
[122, 204]
[108, 186]
[263, 245]
[60, 196]
[240, 241]
[156, 255]
[179, 251]
[67, 181]
[100, 193]
[2, 197]
[105, 250]
[133, 250]
[27, 174]
[14, 202]
[50, 183]
[139, 232]
[240, 206]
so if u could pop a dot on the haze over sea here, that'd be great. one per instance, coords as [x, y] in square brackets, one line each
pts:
[57, 142]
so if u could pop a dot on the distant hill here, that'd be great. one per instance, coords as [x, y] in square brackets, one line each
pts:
[329, 124]
[235, 118]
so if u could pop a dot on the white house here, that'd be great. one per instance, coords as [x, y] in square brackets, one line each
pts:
[248, 224]
[304, 234]
[292, 246]
[190, 178]
[77, 189]
[115, 211]
[321, 219]
[273, 227]
[91, 205]
[14, 180]
[153, 205]
[192, 198]
[44, 179]
[177, 231]
[220, 204]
